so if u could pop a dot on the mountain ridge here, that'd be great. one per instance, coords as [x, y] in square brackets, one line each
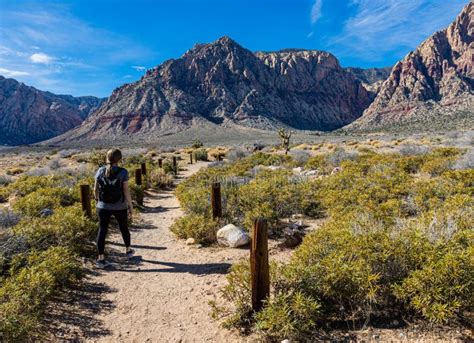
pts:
[28, 115]
[224, 83]
[436, 79]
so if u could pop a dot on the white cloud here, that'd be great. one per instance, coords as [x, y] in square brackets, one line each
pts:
[42, 40]
[316, 11]
[41, 58]
[12, 73]
[139, 68]
[381, 28]
[309, 35]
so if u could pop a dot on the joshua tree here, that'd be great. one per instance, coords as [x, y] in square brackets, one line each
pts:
[285, 139]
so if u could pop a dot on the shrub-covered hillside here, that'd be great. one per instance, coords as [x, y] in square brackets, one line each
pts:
[396, 241]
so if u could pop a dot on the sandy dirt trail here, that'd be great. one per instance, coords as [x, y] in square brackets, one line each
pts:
[163, 294]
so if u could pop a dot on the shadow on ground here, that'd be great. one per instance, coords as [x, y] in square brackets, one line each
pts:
[73, 316]
[137, 264]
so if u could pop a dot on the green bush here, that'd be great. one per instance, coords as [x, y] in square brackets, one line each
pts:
[51, 198]
[67, 227]
[202, 229]
[136, 191]
[4, 194]
[28, 184]
[201, 154]
[288, 315]
[159, 179]
[24, 295]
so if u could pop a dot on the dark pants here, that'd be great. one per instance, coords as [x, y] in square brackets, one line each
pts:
[104, 220]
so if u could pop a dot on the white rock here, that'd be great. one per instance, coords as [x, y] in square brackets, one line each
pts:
[297, 170]
[286, 341]
[232, 236]
[190, 241]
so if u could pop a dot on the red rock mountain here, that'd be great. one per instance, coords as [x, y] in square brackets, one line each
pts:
[28, 115]
[224, 83]
[434, 82]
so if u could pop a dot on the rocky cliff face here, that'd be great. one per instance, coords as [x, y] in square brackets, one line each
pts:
[28, 115]
[224, 83]
[371, 78]
[436, 79]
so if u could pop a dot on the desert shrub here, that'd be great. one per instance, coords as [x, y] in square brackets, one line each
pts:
[24, 295]
[271, 195]
[66, 227]
[8, 218]
[237, 154]
[202, 229]
[197, 144]
[4, 194]
[289, 315]
[300, 157]
[413, 150]
[67, 153]
[319, 163]
[340, 155]
[238, 293]
[15, 171]
[136, 191]
[5, 180]
[168, 167]
[41, 171]
[355, 267]
[55, 164]
[97, 158]
[10, 246]
[159, 179]
[466, 161]
[27, 184]
[51, 198]
[201, 154]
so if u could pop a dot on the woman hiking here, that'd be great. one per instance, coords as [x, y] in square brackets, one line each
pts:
[113, 199]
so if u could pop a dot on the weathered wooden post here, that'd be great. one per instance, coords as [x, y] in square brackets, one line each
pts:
[190, 157]
[259, 264]
[138, 176]
[143, 167]
[86, 200]
[175, 166]
[138, 181]
[216, 202]
[160, 162]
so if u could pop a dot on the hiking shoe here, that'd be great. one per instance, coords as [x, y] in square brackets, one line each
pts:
[102, 264]
[130, 253]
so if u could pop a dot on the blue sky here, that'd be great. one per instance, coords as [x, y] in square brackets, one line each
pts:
[90, 47]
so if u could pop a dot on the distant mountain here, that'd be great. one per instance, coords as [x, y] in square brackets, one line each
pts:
[371, 78]
[431, 84]
[28, 115]
[226, 84]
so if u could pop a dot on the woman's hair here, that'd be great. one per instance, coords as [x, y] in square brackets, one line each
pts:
[113, 157]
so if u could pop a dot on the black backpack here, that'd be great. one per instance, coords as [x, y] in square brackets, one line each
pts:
[110, 188]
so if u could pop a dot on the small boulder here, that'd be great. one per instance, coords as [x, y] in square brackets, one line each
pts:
[232, 236]
[190, 241]
[46, 212]
[293, 235]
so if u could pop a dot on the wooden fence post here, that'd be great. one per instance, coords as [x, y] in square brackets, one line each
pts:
[160, 162]
[138, 181]
[143, 167]
[190, 158]
[259, 264]
[216, 202]
[86, 200]
[175, 166]
[138, 176]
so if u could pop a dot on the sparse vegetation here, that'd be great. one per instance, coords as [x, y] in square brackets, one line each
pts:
[395, 225]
